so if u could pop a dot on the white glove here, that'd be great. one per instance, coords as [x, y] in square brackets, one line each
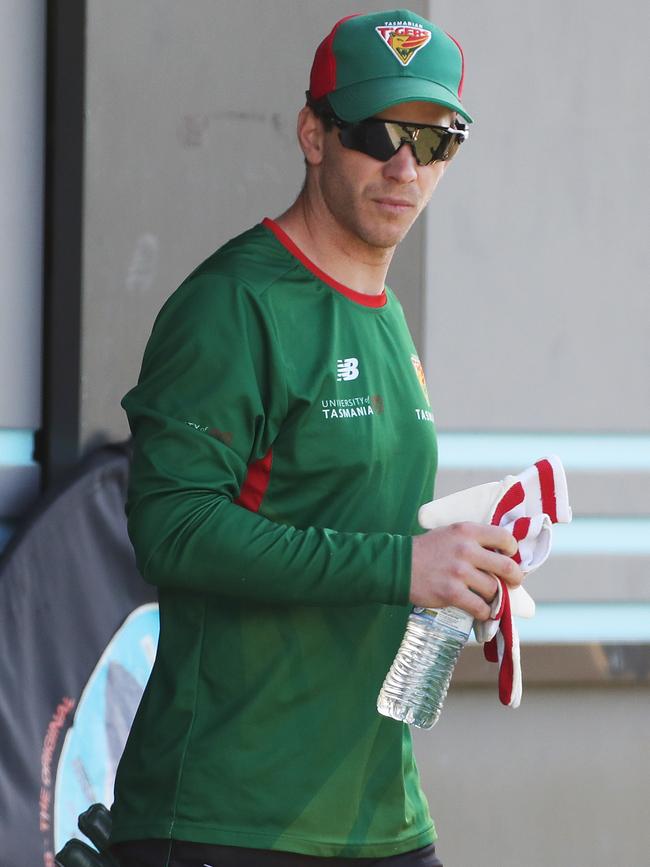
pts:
[478, 504]
[527, 505]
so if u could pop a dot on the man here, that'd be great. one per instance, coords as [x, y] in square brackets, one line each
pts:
[283, 444]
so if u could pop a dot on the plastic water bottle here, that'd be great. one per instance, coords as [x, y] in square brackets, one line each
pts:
[416, 685]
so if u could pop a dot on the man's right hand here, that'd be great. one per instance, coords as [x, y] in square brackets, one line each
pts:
[456, 565]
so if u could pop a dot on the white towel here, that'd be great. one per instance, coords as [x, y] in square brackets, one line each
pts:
[527, 505]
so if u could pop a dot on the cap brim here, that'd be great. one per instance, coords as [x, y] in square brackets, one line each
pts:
[367, 98]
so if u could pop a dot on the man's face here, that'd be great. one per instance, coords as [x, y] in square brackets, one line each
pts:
[378, 202]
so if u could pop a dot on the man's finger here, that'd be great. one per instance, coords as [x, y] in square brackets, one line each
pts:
[497, 538]
[485, 584]
[500, 565]
[473, 604]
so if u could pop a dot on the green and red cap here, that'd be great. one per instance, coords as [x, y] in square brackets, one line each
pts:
[370, 62]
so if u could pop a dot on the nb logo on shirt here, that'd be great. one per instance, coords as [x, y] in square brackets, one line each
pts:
[347, 369]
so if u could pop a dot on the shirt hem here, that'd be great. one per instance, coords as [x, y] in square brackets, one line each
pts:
[208, 834]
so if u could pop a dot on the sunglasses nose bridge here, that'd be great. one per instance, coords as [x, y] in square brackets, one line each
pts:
[409, 137]
[410, 144]
[410, 141]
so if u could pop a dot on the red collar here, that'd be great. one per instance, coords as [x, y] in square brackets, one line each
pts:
[358, 297]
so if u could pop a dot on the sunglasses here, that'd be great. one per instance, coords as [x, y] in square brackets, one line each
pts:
[381, 139]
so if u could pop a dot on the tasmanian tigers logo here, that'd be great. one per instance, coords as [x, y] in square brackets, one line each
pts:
[403, 41]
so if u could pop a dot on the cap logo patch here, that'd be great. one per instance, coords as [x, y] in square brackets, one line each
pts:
[404, 39]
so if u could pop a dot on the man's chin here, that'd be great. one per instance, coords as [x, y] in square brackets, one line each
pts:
[386, 237]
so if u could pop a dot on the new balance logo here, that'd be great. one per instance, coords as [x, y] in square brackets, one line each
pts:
[347, 369]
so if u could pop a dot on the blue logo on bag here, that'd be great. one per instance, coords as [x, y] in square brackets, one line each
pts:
[94, 744]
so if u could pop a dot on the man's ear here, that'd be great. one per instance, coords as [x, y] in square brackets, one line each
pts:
[311, 135]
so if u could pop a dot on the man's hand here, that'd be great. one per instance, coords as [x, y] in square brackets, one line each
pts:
[456, 565]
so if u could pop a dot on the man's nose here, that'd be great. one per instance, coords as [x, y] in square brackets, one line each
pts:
[402, 166]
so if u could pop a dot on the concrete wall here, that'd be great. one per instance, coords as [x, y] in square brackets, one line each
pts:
[562, 780]
[22, 126]
[543, 225]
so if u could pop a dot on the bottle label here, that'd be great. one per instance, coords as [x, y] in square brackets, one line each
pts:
[455, 619]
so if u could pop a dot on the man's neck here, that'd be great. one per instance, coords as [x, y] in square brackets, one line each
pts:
[336, 251]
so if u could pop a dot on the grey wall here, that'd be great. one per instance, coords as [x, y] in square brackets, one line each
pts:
[22, 59]
[562, 780]
[22, 122]
[543, 222]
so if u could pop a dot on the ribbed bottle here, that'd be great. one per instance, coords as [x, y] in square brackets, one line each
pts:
[416, 685]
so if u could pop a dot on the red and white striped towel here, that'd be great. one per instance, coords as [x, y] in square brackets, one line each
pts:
[527, 505]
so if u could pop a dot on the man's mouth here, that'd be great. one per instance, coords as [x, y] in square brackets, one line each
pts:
[395, 205]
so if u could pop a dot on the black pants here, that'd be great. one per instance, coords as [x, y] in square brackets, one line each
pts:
[176, 853]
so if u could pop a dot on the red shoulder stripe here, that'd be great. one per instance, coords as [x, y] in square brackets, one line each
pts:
[256, 483]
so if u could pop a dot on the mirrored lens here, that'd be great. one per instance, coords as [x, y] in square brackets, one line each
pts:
[382, 139]
[397, 134]
[426, 142]
[449, 145]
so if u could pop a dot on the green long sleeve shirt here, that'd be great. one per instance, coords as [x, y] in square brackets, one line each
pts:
[283, 443]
